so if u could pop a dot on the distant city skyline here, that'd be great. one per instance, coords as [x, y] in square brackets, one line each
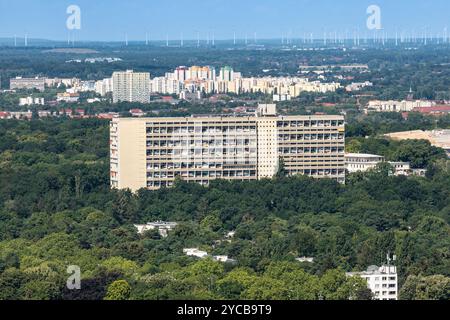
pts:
[114, 20]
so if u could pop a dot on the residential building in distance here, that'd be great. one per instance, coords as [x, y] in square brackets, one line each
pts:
[27, 83]
[355, 162]
[281, 97]
[224, 259]
[434, 110]
[28, 101]
[21, 114]
[401, 168]
[162, 227]
[153, 152]
[195, 252]
[103, 87]
[58, 82]
[67, 97]
[204, 79]
[4, 115]
[382, 281]
[131, 86]
[398, 106]
[137, 113]
[361, 162]
[45, 113]
[357, 86]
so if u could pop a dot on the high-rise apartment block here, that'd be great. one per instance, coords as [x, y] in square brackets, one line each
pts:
[27, 83]
[153, 152]
[131, 86]
[382, 281]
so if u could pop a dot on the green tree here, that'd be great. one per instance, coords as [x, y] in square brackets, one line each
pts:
[118, 290]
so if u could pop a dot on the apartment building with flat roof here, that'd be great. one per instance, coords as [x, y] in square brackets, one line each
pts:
[153, 152]
[27, 83]
[382, 281]
[131, 86]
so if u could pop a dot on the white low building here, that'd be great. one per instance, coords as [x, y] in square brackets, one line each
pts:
[195, 252]
[281, 97]
[401, 168]
[224, 259]
[162, 227]
[363, 162]
[305, 259]
[28, 101]
[398, 106]
[382, 281]
[68, 97]
[356, 86]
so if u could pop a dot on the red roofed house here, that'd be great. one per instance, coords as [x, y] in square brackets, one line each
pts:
[438, 110]
[167, 98]
[4, 115]
[137, 113]
[108, 116]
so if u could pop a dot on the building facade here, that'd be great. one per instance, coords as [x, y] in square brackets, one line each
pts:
[361, 162]
[29, 101]
[355, 162]
[153, 152]
[131, 86]
[398, 106]
[382, 281]
[27, 83]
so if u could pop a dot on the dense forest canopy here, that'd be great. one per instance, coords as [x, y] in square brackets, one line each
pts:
[56, 210]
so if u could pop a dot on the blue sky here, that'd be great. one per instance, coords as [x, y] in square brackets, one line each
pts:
[110, 20]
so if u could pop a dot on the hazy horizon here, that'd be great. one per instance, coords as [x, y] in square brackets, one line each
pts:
[115, 20]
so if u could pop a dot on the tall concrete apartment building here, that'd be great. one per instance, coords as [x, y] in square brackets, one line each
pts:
[27, 83]
[152, 152]
[131, 86]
